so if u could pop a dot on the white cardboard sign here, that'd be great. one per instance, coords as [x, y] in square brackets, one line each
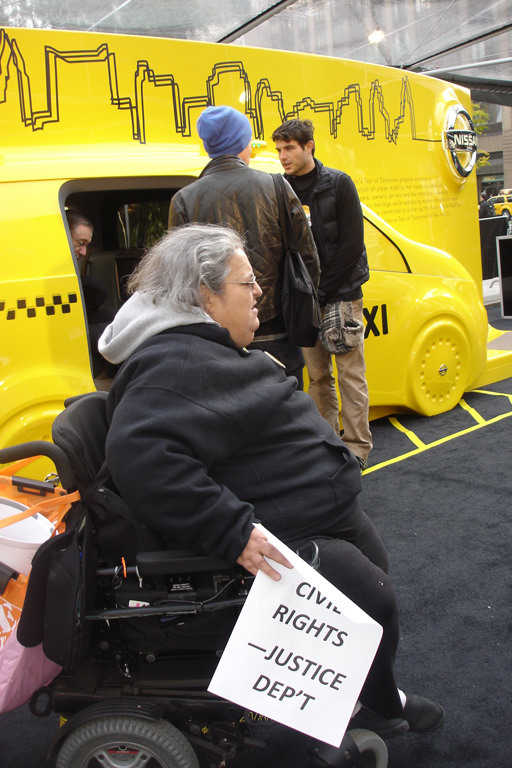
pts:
[299, 652]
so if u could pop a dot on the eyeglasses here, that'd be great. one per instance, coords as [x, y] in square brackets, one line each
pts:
[242, 282]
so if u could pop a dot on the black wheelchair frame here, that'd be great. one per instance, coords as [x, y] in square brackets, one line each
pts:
[145, 635]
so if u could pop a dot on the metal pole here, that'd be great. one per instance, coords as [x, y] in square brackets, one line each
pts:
[473, 65]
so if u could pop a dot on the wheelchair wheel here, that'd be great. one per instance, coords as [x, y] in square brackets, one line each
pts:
[373, 752]
[126, 742]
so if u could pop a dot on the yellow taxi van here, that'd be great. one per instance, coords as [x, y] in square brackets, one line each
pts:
[105, 125]
[502, 204]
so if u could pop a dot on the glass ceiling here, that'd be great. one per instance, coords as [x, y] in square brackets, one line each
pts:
[467, 41]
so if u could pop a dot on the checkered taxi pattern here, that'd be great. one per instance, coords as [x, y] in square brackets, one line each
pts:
[37, 306]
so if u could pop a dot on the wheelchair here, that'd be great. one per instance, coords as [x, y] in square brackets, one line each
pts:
[138, 631]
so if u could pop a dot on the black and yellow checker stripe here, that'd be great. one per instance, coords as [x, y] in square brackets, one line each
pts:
[34, 307]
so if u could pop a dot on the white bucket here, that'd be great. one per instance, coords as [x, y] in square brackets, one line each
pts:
[19, 541]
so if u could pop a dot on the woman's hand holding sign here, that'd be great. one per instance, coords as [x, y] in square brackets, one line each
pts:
[256, 550]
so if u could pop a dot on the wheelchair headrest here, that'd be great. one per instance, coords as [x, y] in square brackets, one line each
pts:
[81, 431]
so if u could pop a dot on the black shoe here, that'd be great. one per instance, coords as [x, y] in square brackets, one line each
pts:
[384, 728]
[423, 714]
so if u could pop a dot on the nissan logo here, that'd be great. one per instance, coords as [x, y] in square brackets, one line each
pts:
[460, 141]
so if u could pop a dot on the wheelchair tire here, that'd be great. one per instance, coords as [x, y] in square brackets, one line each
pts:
[126, 742]
[373, 752]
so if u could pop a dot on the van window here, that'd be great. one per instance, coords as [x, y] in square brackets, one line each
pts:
[141, 224]
[383, 255]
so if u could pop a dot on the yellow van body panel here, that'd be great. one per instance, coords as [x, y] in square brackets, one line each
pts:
[423, 320]
[92, 114]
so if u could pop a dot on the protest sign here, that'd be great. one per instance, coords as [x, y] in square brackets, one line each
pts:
[299, 652]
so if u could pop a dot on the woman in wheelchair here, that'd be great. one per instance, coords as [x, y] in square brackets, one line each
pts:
[228, 440]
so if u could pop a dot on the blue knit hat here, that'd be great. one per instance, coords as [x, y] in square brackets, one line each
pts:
[224, 131]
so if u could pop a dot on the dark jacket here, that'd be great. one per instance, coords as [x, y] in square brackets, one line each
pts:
[98, 318]
[485, 209]
[338, 229]
[229, 192]
[205, 438]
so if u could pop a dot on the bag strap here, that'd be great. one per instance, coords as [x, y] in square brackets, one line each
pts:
[13, 468]
[285, 214]
[44, 508]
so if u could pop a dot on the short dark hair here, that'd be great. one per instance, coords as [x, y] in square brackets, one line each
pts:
[300, 131]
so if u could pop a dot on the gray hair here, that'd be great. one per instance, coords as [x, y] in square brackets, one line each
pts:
[184, 259]
[75, 218]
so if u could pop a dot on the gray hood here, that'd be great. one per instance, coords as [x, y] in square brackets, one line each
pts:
[139, 319]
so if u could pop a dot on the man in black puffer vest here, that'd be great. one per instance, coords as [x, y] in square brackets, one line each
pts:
[337, 224]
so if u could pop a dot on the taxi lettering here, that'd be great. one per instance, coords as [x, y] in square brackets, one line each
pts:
[371, 317]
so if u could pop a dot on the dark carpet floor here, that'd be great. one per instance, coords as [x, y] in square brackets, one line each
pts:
[439, 492]
[446, 517]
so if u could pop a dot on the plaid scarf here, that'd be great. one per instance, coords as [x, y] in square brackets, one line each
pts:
[340, 331]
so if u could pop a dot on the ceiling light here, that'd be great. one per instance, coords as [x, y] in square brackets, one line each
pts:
[376, 36]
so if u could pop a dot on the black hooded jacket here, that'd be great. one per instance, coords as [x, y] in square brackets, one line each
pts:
[206, 438]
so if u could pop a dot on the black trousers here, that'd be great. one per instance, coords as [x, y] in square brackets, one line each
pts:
[354, 559]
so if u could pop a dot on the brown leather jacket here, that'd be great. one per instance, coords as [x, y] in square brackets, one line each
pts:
[229, 192]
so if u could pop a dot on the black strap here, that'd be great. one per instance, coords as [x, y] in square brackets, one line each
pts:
[285, 214]
[6, 574]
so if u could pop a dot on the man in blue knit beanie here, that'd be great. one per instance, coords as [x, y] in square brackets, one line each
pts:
[228, 192]
[224, 131]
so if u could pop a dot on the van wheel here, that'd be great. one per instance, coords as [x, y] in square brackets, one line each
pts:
[439, 368]
[126, 742]
[373, 752]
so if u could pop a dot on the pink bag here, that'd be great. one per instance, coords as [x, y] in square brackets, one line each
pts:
[22, 671]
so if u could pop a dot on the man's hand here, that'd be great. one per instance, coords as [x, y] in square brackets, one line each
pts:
[253, 556]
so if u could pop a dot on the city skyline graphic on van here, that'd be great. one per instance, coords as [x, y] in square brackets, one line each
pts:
[12, 64]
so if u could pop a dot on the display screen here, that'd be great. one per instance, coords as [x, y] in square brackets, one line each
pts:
[504, 250]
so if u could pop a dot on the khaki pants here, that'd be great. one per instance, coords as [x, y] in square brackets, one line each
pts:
[352, 387]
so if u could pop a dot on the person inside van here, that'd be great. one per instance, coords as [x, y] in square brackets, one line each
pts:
[207, 437]
[95, 295]
[81, 230]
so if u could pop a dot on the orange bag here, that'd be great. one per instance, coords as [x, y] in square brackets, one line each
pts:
[42, 498]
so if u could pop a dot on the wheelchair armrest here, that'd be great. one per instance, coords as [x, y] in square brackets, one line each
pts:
[42, 448]
[174, 561]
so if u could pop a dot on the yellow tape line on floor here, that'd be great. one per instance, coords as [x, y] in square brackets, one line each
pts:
[412, 437]
[421, 446]
[495, 394]
[479, 419]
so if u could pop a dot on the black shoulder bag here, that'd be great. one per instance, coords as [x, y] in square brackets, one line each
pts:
[301, 311]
